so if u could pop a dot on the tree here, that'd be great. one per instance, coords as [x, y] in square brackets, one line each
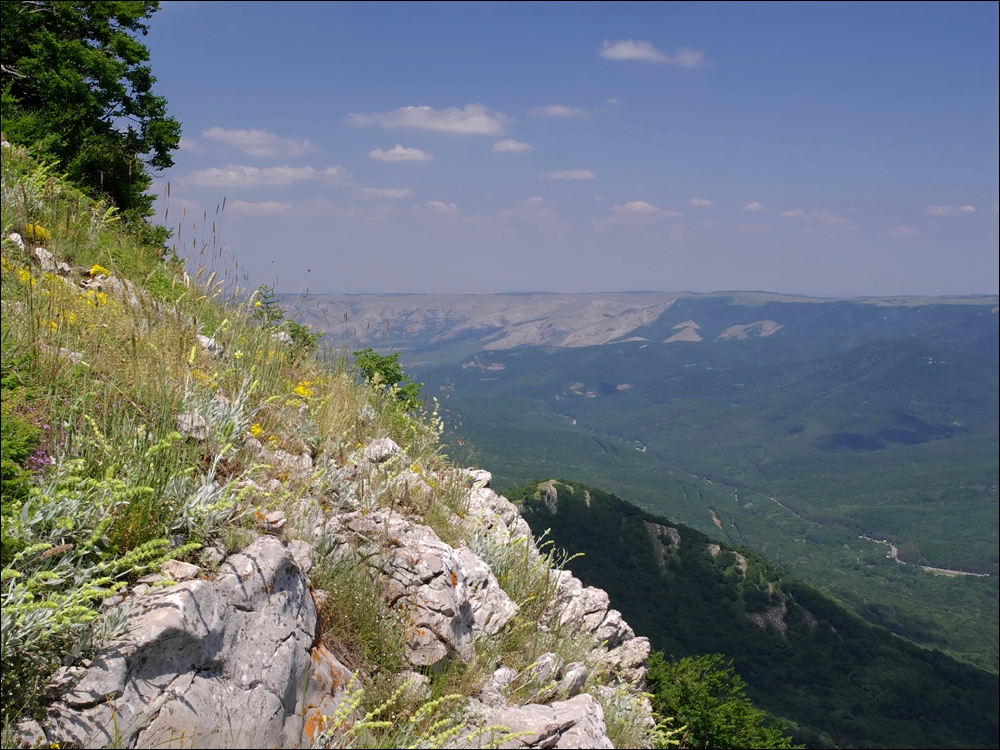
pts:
[385, 373]
[75, 85]
[704, 694]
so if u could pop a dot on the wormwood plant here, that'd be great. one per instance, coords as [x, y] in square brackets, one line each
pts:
[52, 588]
[436, 723]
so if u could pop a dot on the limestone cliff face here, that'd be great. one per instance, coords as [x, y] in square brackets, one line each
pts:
[231, 657]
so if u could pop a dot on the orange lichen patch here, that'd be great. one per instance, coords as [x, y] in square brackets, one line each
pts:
[313, 725]
[454, 580]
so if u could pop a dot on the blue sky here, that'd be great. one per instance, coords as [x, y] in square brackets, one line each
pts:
[824, 149]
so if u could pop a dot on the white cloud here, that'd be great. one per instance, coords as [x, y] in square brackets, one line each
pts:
[612, 101]
[240, 176]
[635, 207]
[701, 202]
[753, 206]
[442, 208]
[939, 210]
[568, 174]
[509, 146]
[689, 58]
[904, 231]
[631, 49]
[265, 208]
[557, 110]
[260, 142]
[189, 144]
[949, 210]
[399, 153]
[798, 213]
[474, 119]
[673, 214]
[634, 49]
[386, 192]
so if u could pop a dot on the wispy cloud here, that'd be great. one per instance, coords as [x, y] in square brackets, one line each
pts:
[264, 208]
[260, 142]
[399, 153]
[510, 146]
[754, 228]
[386, 192]
[753, 206]
[634, 49]
[557, 110]
[473, 119]
[949, 210]
[189, 144]
[701, 202]
[904, 231]
[635, 207]
[241, 176]
[568, 174]
[823, 217]
[441, 207]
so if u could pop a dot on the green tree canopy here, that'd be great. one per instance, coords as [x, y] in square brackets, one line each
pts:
[704, 694]
[75, 85]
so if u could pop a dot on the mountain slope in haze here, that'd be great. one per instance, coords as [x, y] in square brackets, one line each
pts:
[807, 461]
[804, 656]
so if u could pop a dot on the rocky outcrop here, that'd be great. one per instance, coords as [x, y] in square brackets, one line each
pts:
[234, 659]
[450, 596]
[223, 663]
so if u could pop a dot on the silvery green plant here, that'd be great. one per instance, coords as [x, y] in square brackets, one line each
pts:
[203, 506]
[52, 588]
[227, 420]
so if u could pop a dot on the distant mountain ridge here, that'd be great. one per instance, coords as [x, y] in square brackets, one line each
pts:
[446, 328]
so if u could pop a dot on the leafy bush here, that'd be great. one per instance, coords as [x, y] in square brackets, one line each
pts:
[383, 371]
[706, 695]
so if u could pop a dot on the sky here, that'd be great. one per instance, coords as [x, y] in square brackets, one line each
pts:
[824, 149]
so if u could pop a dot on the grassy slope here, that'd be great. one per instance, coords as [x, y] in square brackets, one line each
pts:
[101, 360]
[838, 678]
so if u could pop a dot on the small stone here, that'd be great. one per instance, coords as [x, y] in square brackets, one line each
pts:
[273, 522]
[503, 676]
[211, 345]
[574, 679]
[46, 260]
[16, 239]
[179, 571]
[381, 450]
[192, 425]
[63, 269]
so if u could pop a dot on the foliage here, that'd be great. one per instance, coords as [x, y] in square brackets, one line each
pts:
[76, 87]
[383, 371]
[706, 695]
